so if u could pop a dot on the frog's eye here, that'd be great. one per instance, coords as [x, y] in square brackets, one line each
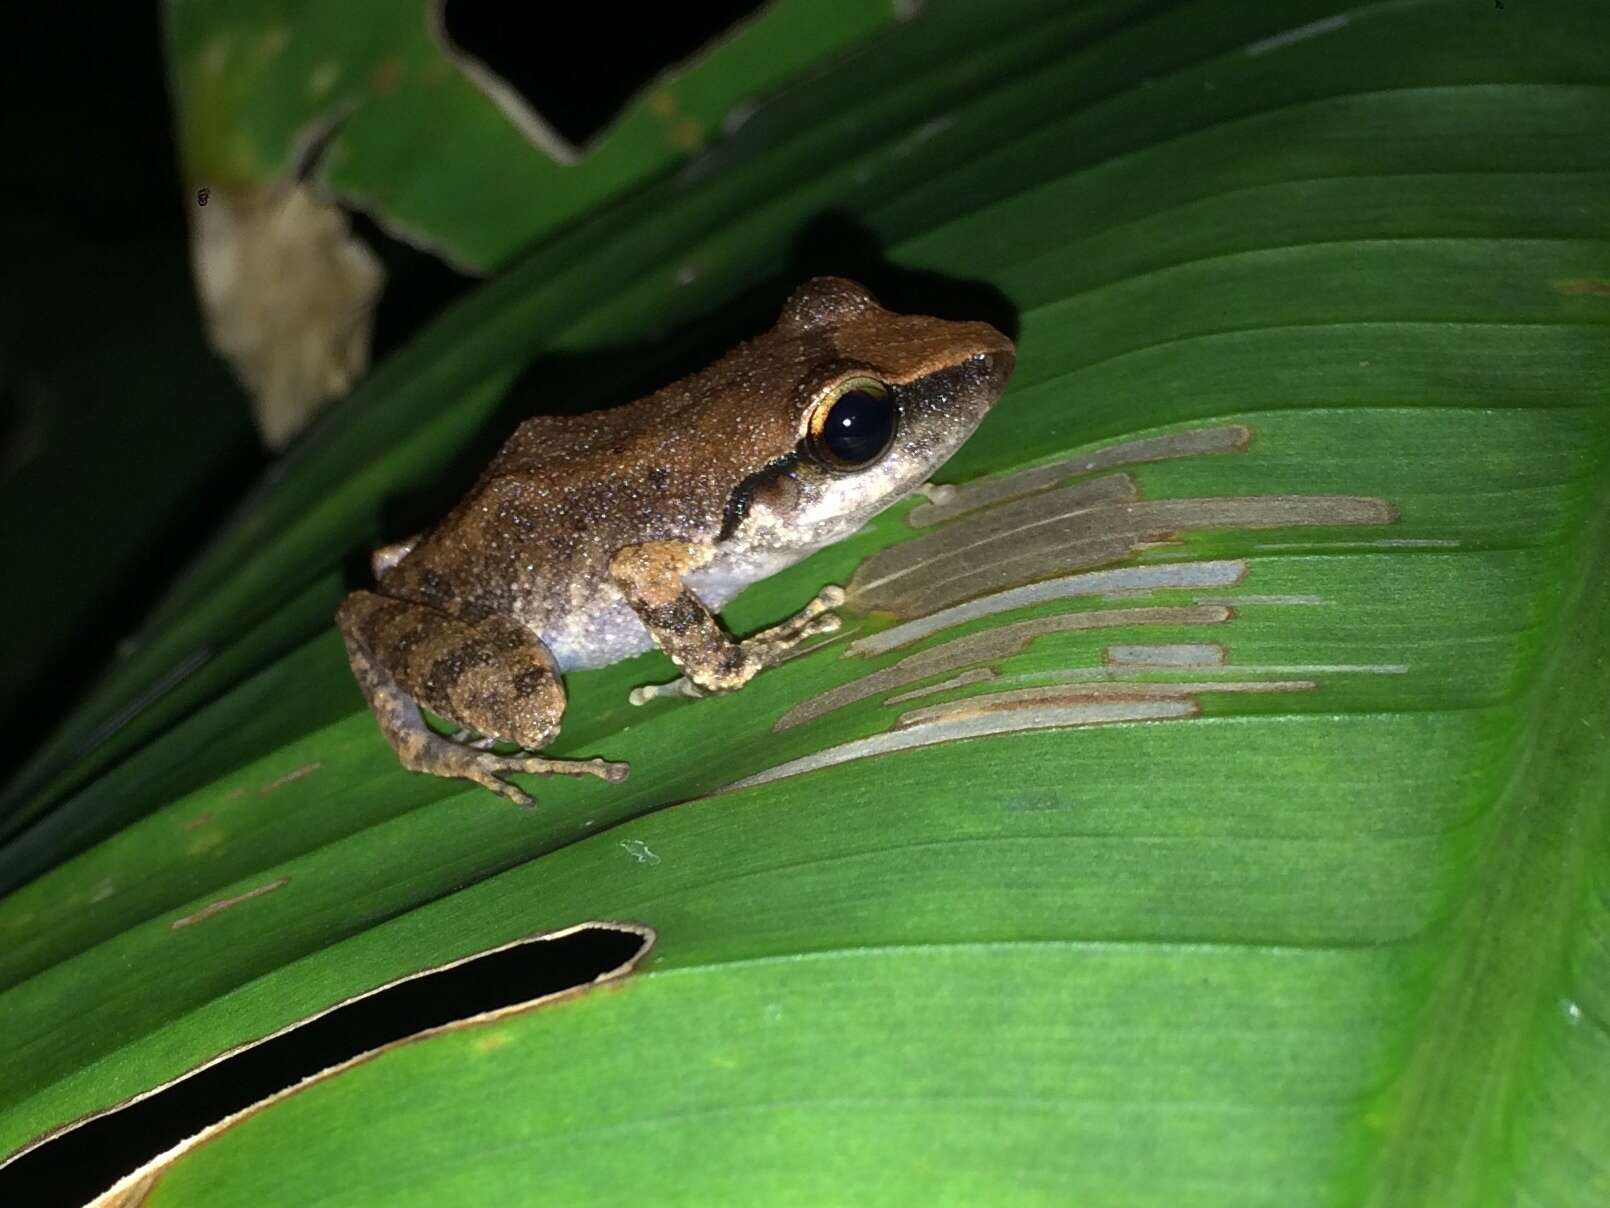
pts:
[853, 424]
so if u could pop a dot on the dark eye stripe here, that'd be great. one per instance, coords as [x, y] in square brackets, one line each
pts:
[738, 502]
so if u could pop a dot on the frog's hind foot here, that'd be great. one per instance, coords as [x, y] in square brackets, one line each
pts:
[491, 679]
[421, 749]
[680, 686]
[488, 769]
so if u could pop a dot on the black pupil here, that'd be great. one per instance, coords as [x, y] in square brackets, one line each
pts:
[858, 426]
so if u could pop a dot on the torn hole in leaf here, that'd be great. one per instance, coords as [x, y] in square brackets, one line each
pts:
[77, 1163]
[422, 278]
[563, 76]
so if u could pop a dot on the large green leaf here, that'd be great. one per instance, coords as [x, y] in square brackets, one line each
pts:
[432, 142]
[1329, 927]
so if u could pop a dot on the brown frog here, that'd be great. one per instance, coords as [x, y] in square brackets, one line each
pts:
[591, 538]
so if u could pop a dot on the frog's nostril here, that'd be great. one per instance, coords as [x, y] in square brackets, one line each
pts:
[999, 365]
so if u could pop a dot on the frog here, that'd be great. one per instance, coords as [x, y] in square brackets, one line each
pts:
[592, 538]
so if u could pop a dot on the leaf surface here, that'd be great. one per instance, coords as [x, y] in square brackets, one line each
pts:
[1323, 922]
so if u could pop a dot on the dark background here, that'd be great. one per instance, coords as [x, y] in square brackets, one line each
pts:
[124, 442]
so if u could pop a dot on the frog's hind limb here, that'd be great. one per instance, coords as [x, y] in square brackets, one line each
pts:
[650, 577]
[491, 676]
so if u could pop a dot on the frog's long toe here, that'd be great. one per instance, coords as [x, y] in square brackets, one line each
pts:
[814, 619]
[829, 622]
[487, 778]
[489, 770]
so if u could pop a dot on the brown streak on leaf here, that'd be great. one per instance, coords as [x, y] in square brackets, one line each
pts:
[987, 646]
[1576, 287]
[1093, 524]
[685, 135]
[1103, 585]
[1066, 695]
[307, 769]
[223, 904]
[1166, 655]
[387, 75]
[978, 675]
[1229, 438]
[492, 1042]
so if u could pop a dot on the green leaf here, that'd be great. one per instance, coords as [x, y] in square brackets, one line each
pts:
[429, 140]
[1329, 926]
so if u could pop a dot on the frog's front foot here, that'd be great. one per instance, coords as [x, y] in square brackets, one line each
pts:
[765, 649]
[935, 493]
[814, 619]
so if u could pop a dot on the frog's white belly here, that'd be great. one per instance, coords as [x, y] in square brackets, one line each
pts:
[596, 637]
[600, 628]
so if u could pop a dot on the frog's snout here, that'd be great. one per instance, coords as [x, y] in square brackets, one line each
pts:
[996, 354]
[998, 365]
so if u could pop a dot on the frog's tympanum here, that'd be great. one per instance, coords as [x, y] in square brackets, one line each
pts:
[593, 537]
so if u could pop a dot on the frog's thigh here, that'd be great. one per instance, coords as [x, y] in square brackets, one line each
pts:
[493, 675]
[650, 578]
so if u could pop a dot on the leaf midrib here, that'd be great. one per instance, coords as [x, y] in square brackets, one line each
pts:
[1458, 1102]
